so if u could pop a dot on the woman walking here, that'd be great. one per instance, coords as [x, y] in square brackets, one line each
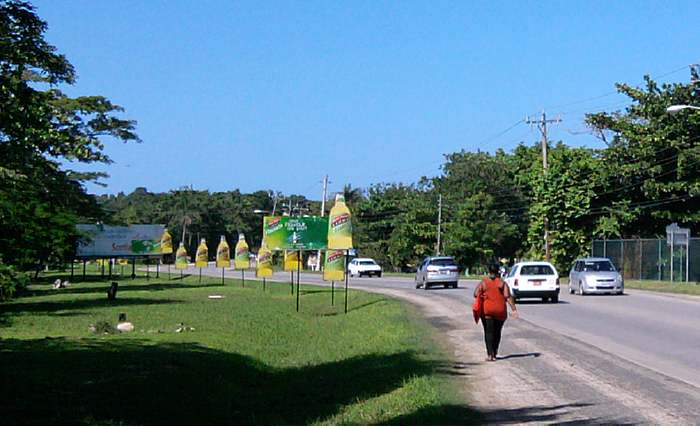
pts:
[494, 293]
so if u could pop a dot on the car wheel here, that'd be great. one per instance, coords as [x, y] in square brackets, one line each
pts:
[455, 284]
[580, 290]
[545, 299]
[555, 299]
[425, 285]
[571, 289]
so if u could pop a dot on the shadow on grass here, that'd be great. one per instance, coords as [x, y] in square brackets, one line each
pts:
[53, 308]
[62, 381]
[124, 286]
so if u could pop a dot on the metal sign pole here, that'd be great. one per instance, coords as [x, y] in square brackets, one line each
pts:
[222, 275]
[347, 253]
[264, 284]
[200, 275]
[291, 282]
[332, 295]
[298, 270]
[243, 276]
[672, 256]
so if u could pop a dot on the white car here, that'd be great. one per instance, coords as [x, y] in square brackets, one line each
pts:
[364, 266]
[595, 275]
[534, 280]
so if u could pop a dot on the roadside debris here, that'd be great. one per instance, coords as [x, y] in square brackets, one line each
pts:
[182, 327]
[58, 284]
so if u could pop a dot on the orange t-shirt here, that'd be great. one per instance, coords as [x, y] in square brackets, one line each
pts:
[494, 301]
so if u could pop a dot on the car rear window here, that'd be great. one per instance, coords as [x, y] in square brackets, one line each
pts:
[598, 266]
[536, 270]
[443, 262]
[367, 262]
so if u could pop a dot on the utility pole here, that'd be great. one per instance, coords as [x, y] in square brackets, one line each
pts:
[437, 247]
[542, 126]
[323, 213]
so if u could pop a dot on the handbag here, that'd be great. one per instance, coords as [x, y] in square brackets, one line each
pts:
[478, 307]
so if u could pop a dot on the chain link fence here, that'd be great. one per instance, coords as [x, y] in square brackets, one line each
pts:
[652, 259]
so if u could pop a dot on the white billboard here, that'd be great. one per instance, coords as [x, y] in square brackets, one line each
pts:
[116, 241]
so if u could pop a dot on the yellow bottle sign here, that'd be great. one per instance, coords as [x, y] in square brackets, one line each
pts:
[242, 256]
[223, 254]
[181, 258]
[166, 243]
[291, 260]
[334, 266]
[264, 265]
[202, 257]
[339, 226]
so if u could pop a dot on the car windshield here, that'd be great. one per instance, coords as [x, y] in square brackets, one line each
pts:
[367, 262]
[598, 266]
[443, 262]
[536, 270]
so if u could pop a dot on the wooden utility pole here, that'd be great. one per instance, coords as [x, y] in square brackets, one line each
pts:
[437, 247]
[323, 213]
[542, 126]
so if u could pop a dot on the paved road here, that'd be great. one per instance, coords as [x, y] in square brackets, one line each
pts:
[594, 359]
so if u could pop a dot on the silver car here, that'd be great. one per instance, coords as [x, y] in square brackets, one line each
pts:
[438, 270]
[595, 275]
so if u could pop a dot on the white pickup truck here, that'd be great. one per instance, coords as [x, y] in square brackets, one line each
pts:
[364, 266]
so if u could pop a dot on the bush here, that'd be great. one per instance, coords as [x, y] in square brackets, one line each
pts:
[11, 281]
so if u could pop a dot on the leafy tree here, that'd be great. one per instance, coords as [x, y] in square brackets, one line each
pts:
[651, 163]
[41, 129]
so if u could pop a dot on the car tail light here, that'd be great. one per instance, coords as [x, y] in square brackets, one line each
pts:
[515, 283]
[557, 281]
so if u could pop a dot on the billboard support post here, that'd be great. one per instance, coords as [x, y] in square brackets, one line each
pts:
[133, 268]
[158, 269]
[109, 269]
[346, 280]
[72, 266]
[298, 271]
[84, 267]
[332, 291]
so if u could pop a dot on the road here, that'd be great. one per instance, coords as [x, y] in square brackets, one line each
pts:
[592, 359]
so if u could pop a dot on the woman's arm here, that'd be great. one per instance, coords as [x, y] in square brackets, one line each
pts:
[509, 297]
[477, 290]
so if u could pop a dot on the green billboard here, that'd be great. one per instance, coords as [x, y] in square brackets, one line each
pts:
[295, 233]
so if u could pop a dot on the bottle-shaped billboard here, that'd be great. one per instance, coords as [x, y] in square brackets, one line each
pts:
[242, 256]
[339, 226]
[223, 254]
[166, 242]
[181, 259]
[202, 256]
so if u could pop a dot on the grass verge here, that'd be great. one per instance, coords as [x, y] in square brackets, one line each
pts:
[664, 287]
[248, 358]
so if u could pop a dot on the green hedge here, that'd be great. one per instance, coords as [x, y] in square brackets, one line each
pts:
[11, 281]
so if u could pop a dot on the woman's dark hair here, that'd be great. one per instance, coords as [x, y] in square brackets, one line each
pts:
[494, 268]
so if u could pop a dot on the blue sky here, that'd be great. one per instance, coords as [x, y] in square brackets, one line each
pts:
[273, 95]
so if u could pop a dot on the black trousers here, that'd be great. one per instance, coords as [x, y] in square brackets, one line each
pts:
[492, 334]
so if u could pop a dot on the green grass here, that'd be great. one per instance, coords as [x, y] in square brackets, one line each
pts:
[251, 358]
[664, 286]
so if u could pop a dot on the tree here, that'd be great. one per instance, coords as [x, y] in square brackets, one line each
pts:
[651, 163]
[41, 130]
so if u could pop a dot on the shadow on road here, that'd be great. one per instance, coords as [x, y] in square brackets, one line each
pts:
[531, 354]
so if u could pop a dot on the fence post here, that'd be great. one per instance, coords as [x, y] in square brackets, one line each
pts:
[641, 249]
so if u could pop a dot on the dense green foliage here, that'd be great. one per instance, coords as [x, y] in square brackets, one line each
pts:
[11, 281]
[42, 131]
[247, 358]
